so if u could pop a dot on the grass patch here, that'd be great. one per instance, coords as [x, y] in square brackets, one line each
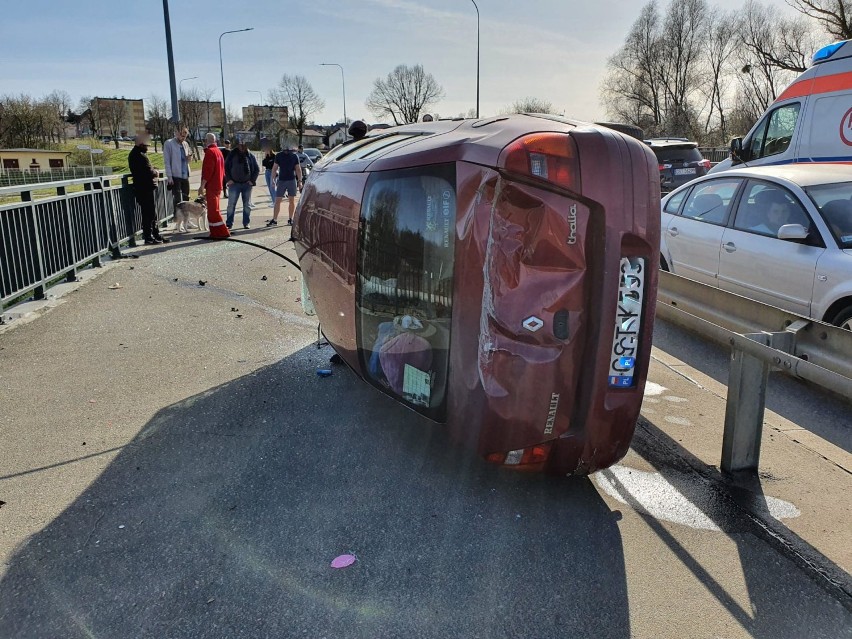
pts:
[112, 157]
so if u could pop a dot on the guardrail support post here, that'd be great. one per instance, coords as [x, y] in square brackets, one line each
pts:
[747, 382]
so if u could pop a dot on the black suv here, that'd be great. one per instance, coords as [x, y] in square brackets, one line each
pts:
[680, 161]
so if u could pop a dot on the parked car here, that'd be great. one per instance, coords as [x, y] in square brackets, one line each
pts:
[811, 121]
[679, 161]
[314, 154]
[495, 275]
[777, 234]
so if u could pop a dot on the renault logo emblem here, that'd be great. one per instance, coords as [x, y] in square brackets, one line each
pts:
[532, 324]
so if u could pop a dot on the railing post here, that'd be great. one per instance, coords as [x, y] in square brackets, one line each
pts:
[747, 382]
[71, 276]
[38, 291]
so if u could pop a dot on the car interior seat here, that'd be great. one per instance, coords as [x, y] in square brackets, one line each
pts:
[708, 207]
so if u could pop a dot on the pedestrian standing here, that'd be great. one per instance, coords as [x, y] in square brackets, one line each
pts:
[225, 149]
[241, 172]
[144, 183]
[176, 159]
[212, 178]
[268, 162]
[287, 176]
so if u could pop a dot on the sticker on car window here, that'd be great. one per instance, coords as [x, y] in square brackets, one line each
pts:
[416, 386]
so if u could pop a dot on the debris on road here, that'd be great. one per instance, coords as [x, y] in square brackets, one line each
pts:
[239, 316]
[264, 278]
[290, 278]
[234, 309]
[202, 282]
[114, 286]
[343, 561]
[2, 503]
[324, 372]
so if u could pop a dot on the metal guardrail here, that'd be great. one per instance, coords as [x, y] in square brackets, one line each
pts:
[46, 239]
[761, 337]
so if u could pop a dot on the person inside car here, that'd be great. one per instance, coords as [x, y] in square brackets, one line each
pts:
[774, 212]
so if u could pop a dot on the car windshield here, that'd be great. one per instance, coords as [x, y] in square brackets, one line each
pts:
[834, 202]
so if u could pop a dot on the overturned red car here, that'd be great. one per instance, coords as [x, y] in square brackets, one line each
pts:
[496, 275]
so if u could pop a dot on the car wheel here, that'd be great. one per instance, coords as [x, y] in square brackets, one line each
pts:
[844, 318]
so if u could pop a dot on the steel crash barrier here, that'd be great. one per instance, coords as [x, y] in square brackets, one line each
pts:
[761, 337]
[47, 239]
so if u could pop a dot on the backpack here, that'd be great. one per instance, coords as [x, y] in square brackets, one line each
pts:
[240, 171]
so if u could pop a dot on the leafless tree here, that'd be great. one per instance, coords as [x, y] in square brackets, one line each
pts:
[633, 91]
[403, 94]
[835, 16]
[159, 112]
[90, 111]
[303, 101]
[112, 115]
[681, 47]
[531, 105]
[192, 110]
[721, 39]
[58, 103]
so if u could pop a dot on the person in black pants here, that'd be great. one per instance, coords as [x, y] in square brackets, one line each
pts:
[144, 182]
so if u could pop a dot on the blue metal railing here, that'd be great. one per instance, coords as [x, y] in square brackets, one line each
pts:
[46, 239]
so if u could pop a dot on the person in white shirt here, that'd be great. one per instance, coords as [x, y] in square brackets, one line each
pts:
[176, 159]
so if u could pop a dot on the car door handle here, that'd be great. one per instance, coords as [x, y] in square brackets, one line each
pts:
[673, 232]
[730, 247]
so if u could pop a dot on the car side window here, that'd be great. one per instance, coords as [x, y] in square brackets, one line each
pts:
[765, 208]
[710, 201]
[779, 131]
[673, 204]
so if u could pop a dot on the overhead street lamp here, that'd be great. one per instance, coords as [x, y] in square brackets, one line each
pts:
[180, 84]
[343, 80]
[477, 58]
[222, 73]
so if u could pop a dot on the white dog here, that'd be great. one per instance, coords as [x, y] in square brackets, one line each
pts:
[186, 212]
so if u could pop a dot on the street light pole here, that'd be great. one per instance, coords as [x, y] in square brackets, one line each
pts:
[222, 74]
[175, 110]
[180, 85]
[477, 58]
[343, 80]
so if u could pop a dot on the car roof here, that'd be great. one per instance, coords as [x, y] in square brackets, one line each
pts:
[801, 174]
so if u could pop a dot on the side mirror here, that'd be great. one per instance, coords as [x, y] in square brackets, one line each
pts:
[792, 232]
[737, 150]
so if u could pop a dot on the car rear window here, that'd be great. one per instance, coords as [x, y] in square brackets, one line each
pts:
[404, 291]
[684, 153]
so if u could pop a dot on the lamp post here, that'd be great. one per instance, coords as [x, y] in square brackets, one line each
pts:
[222, 73]
[171, 61]
[343, 80]
[477, 57]
[180, 84]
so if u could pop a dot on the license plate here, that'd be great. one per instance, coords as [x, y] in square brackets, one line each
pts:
[690, 171]
[628, 322]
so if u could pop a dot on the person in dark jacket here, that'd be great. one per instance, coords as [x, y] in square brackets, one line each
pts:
[268, 163]
[144, 183]
[241, 171]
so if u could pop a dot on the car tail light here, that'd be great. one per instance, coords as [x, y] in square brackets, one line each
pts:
[523, 457]
[551, 157]
[663, 167]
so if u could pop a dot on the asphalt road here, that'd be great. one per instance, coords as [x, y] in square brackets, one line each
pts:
[173, 470]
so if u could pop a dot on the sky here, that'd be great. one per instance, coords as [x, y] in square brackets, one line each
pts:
[554, 50]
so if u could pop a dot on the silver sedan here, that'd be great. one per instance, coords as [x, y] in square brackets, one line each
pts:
[777, 234]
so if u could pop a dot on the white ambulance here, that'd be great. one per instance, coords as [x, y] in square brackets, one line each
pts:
[811, 121]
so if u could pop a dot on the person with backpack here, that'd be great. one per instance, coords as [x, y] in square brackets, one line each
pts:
[241, 171]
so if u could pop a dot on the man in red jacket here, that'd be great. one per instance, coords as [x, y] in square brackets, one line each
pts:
[212, 174]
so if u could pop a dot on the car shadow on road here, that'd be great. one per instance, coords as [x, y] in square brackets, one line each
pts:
[222, 516]
[793, 399]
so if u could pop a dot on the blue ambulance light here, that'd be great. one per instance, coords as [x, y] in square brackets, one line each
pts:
[827, 51]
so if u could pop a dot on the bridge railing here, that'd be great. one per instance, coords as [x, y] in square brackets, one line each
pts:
[47, 238]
